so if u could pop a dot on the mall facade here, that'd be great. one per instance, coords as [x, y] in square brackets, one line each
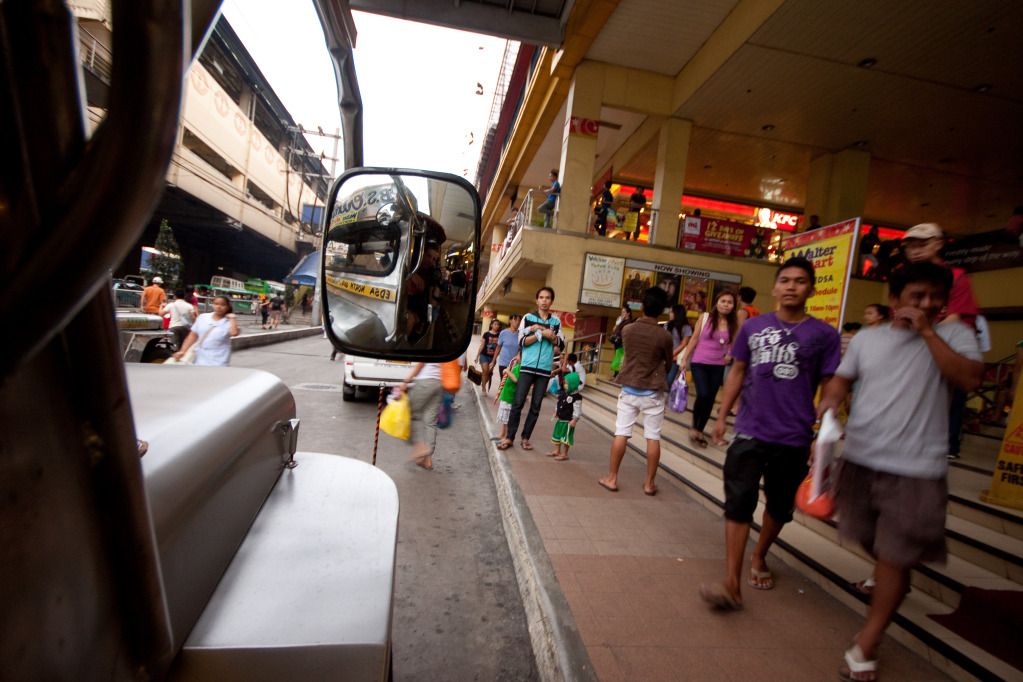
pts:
[737, 122]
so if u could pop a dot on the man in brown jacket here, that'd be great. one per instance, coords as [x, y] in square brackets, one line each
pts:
[644, 373]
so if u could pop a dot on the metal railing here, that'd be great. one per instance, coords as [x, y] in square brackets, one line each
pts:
[587, 348]
[95, 56]
[995, 390]
[535, 198]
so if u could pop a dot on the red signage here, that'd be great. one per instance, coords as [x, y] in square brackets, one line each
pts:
[724, 237]
[583, 126]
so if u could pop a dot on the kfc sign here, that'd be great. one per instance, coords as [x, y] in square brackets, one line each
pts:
[776, 220]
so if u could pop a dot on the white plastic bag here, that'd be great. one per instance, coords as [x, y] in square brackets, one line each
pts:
[824, 453]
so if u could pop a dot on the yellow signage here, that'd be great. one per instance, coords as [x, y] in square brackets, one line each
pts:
[1007, 481]
[377, 292]
[831, 250]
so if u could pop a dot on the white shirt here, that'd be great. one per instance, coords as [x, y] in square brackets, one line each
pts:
[182, 313]
[578, 369]
[213, 347]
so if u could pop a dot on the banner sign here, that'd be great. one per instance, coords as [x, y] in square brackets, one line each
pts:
[1007, 480]
[602, 281]
[724, 237]
[831, 249]
[684, 271]
[986, 251]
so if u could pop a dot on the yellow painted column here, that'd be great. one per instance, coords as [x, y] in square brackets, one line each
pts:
[837, 186]
[669, 178]
[579, 148]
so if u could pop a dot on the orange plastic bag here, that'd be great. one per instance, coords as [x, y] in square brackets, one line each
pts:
[451, 376]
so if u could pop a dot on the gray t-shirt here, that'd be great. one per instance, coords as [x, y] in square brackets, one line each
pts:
[899, 418]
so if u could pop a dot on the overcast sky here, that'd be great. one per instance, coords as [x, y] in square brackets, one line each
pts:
[419, 82]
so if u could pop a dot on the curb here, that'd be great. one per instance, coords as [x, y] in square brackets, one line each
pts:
[557, 645]
[254, 340]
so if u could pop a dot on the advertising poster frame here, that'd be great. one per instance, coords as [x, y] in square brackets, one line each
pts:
[832, 250]
[602, 281]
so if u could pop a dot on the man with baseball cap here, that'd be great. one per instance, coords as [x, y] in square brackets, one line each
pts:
[153, 296]
[922, 244]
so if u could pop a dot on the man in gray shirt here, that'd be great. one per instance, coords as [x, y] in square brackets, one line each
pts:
[892, 489]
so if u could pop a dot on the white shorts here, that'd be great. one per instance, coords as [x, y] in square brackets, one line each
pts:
[503, 412]
[631, 406]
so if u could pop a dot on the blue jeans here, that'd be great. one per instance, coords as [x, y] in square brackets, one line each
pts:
[547, 208]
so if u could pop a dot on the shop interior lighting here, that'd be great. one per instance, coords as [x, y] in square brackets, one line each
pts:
[982, 88]
[861, 144]
[866, 63]
[767, 127]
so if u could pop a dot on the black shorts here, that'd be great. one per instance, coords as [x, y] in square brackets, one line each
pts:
[783, 468]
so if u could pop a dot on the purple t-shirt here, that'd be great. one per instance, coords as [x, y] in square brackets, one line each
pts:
[784, 365]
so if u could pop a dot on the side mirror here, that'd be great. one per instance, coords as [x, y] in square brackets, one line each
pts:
[400, 263]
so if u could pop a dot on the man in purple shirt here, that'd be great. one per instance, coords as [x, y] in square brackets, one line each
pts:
[780, 359]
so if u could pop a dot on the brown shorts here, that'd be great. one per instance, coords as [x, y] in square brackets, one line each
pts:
[897, 519]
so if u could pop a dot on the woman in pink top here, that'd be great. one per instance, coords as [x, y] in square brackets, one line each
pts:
[709, 355]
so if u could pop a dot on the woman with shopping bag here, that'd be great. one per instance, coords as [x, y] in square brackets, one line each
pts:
[425, 398]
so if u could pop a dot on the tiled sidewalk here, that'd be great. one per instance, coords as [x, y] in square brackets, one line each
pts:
[630, 567]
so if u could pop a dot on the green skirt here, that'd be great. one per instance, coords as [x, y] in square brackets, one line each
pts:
[564, 433]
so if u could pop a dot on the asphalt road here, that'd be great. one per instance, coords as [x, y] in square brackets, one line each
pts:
[457, 610]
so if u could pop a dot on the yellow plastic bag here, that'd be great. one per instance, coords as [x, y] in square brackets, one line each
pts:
[396, 419]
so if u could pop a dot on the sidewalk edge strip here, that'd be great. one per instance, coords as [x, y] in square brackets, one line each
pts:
[557, 645]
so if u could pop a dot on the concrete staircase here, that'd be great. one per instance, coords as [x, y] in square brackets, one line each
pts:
[985, 542]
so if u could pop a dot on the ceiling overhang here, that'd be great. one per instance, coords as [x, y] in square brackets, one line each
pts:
[537, 22]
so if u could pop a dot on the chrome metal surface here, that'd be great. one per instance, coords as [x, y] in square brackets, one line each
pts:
[309, 593]
[214, 454]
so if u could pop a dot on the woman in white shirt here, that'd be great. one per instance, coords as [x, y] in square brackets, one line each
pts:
[212, 332]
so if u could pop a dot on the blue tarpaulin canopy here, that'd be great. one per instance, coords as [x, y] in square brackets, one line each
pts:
[306, 272]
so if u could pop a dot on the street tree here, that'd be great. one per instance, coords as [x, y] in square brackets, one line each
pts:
[167, 261]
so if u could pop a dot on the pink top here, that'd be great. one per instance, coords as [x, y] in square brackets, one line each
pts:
[713, 346]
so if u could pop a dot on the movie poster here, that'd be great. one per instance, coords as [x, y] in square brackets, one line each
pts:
[634, 285]
[672, 285]
[695, 293]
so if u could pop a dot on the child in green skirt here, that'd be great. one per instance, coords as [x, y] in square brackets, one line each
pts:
[506, 395]
[568, 413]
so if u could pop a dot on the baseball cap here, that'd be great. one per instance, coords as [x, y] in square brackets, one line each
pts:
[158, 280]
[924, 231]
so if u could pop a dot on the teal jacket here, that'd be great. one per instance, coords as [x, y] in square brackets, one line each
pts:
[537, 358]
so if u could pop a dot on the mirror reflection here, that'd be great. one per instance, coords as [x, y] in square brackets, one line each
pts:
[399, 263]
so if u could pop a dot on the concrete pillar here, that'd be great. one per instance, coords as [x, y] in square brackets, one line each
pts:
[837, 186]
[669, 178]
[578, 150]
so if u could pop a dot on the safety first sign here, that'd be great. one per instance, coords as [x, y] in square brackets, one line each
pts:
[377, 292]
[1007, 481]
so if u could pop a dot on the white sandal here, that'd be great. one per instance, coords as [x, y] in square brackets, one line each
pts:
[858, 666]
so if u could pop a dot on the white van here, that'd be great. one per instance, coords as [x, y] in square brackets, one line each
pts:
[370, 374]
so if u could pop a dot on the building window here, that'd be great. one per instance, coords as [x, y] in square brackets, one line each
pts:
[192, 143]
[259, 195]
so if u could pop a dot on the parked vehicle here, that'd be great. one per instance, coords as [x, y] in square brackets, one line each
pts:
[370, 374]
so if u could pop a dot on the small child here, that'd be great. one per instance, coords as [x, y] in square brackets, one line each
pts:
[568, 412]
[506, 395]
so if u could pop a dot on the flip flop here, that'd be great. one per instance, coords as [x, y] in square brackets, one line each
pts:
[605, 486]
[718, 596]
[560, 458]
[651, 493]
[857, 668]
[526, 445]
[760, 577]
[865, 586]
[504, 445]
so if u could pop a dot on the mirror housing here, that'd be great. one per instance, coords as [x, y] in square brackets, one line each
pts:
[392, 239]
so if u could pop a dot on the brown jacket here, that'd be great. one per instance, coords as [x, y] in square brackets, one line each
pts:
[647, 355]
